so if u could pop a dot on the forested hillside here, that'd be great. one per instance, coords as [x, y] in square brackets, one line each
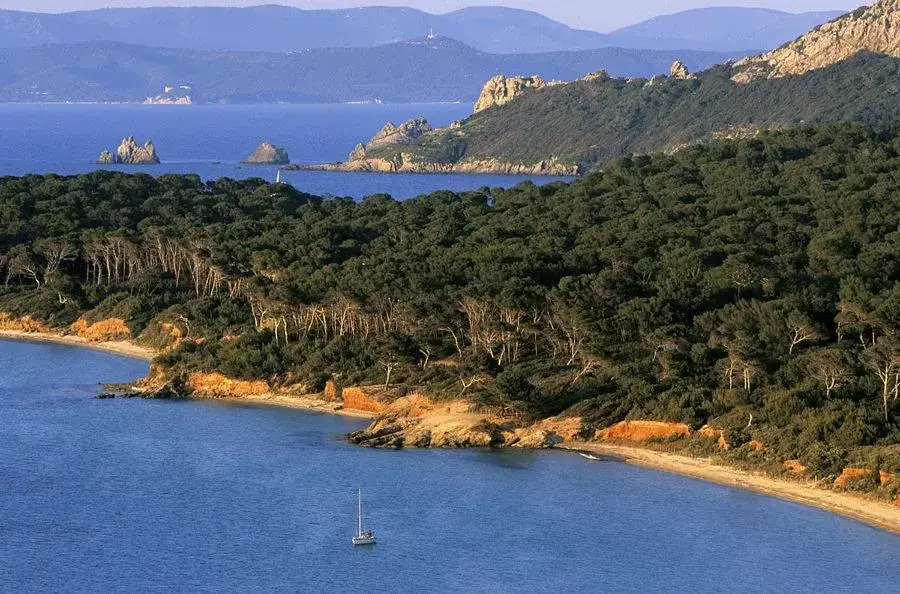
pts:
[592, 122]
[754, 277]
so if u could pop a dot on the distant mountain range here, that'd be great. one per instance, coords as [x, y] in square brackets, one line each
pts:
[489, 29]
[721, 29]
[426, 69]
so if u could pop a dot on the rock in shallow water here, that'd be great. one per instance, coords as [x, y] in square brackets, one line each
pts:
[130, 153]
[268, 154]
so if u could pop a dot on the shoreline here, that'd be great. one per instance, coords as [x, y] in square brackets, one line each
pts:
[878, 514]
[307, 403]
[452, 169]
[124, 348]
[882, 515]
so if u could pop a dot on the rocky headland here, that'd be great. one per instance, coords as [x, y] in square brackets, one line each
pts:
[873, 28]
[130, 153]
[416, 147]
[844, 70]
[500, 90]
[268, 154]
[396, 149]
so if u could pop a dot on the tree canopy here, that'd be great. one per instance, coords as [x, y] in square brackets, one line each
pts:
[733, 278]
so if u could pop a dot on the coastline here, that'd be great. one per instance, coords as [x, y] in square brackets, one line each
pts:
[875, 513]
[119, 347]
[307, 403]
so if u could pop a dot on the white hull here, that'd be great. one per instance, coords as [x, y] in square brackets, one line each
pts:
[362, 540]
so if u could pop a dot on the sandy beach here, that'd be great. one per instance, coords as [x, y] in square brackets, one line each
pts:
[119, 347]
[300, 402]
[875, 513]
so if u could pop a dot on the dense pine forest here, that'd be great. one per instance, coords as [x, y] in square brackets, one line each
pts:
[733, 278]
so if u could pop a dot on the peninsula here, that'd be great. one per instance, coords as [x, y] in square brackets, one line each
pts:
[846, 70]
[729, 300]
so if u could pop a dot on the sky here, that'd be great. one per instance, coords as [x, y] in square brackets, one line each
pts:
[600, 15]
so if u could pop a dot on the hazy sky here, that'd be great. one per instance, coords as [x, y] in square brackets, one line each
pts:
[601, 15]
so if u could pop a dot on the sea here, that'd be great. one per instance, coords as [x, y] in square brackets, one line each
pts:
[212, 140]
[190, 496]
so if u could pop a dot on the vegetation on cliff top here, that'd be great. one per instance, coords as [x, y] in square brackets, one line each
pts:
[757, 276]
[593, 122]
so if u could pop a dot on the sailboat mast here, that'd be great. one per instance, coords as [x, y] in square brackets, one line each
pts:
[359, 516]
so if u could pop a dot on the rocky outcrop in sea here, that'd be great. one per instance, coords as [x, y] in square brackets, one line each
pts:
[392, 135]
[130, 153]
[268, 154]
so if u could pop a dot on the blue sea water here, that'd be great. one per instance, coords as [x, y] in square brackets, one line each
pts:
[132, 495]
[211, 141]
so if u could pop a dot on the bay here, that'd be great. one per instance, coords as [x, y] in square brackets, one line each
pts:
[212, 140]
[133, 495]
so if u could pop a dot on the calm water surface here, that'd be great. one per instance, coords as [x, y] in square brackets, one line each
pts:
[154, 496]
[211, 140]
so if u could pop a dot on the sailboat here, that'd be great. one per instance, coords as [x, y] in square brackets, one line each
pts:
[363, 537]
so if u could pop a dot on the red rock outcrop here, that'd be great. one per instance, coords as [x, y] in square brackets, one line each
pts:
[102, 331]
[362, 399]
[851, 476]
[216, 385]
[640, 431]
[794, 466]
[22, 324]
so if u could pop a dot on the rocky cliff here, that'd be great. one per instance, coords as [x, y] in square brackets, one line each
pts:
[130, 153]
[393, 135]
[420, 422]
[874, 28]
[500, 90]
[268, 154]
[679, 71]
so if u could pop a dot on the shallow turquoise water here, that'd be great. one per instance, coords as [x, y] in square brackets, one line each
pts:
[211, 140]
[132, 495]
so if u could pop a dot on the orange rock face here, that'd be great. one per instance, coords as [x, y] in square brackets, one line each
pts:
[102, 331]
[794, 466]
[331, 391]
[757, 446]
[715, 433]
[549, 432]
[23, 324]
[643, 431]
[216, 385]
[361, 399]
[852, 475]
[175, 333]
[885, 478]
[707, 431]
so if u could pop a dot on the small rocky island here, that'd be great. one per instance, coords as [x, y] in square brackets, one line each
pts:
[130, 153]
[268, 154]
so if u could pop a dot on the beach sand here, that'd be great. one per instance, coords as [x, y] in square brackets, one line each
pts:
[873, 512]
[119, 347]
[309, 403]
